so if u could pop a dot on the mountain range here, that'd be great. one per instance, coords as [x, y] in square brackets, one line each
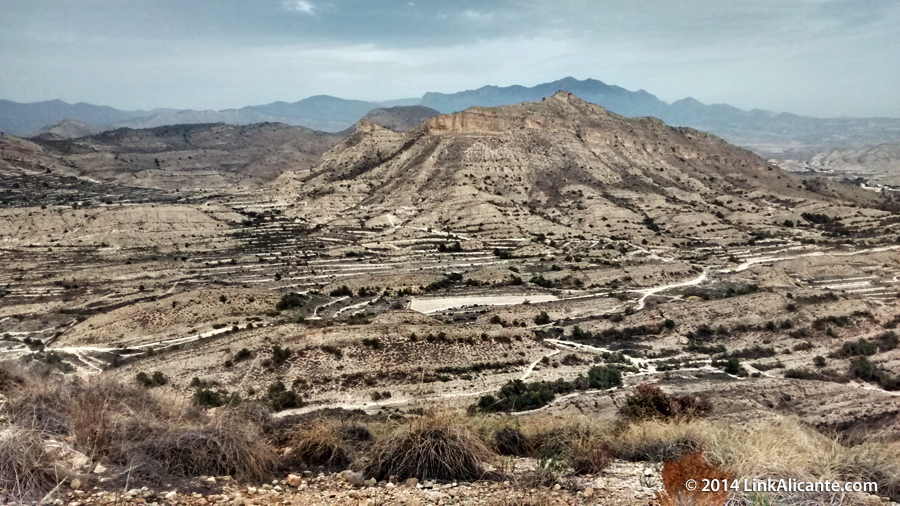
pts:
[767, 133]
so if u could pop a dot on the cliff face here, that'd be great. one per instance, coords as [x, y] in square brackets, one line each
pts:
[561, 163]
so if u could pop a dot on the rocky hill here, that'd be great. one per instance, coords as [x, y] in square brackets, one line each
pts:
[400, 118]
[196, 156]
[68, 129]
[560, 166]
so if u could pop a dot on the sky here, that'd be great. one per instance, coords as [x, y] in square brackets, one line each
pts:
[813, 57]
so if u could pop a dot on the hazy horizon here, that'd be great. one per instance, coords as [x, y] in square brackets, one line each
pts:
[822, 58]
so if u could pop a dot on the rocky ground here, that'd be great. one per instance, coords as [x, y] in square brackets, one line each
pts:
[622, 484]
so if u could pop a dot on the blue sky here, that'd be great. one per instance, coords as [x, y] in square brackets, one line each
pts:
[813, 57]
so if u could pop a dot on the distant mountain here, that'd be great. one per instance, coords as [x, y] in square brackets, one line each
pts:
[613, 98]
[767, 133]
[774, 135]
[68, 129]
[25, 119]
[321, 112]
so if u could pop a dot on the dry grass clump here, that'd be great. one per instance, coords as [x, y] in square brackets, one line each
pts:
[9, 379]
[591, 458]
[779, 449]
[27, 469]
[356, 432]
[429, 448]
[582, 443]
[787, 449]
[123, 425]
[512, 442]
[877, 461]
[228, 446]
[39, 403]
[659, 440]
[318, 444]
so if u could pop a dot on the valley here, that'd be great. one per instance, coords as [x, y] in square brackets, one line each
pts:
[387, 273]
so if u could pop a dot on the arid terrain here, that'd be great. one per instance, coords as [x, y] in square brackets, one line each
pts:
[533, 268]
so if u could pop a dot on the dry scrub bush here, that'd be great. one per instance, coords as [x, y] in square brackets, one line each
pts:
[583, 443]
[692, 466]
[120, 424]
[787, 449]
[318, 444]
[27, 469]
[658, 440]
[428, 448]
[356, 432]
[591, 458]
[649, 401]
[512, 442]
[227, 446]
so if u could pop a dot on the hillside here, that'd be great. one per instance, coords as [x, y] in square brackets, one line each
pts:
[68, 129]
[560, 166]
[196, 156]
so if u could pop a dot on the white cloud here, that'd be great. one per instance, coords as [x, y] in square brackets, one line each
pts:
[299, 6]
[477, 16]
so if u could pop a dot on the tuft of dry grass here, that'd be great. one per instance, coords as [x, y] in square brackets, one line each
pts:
[429, 448]
[226, 447]
[591, 458]
[512, 442]
[123, 425]
[318, 444]
[27, 468]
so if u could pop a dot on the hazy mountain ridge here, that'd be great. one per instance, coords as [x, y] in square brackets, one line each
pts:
[780, 135]
[765, 132]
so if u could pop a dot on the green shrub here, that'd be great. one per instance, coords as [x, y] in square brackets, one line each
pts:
[149, 381]
[517, 395]
[343, 291]
[280, 398]
[372, 342]
[733, 366]
[859, 348]
[280, 355]
[290, 301]
[208, 397]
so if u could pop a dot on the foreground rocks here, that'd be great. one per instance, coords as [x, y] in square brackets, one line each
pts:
[622, 483]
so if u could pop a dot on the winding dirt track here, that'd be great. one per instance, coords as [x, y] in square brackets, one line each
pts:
[645, 364]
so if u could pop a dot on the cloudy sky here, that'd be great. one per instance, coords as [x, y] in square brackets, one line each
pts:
[813, 57]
